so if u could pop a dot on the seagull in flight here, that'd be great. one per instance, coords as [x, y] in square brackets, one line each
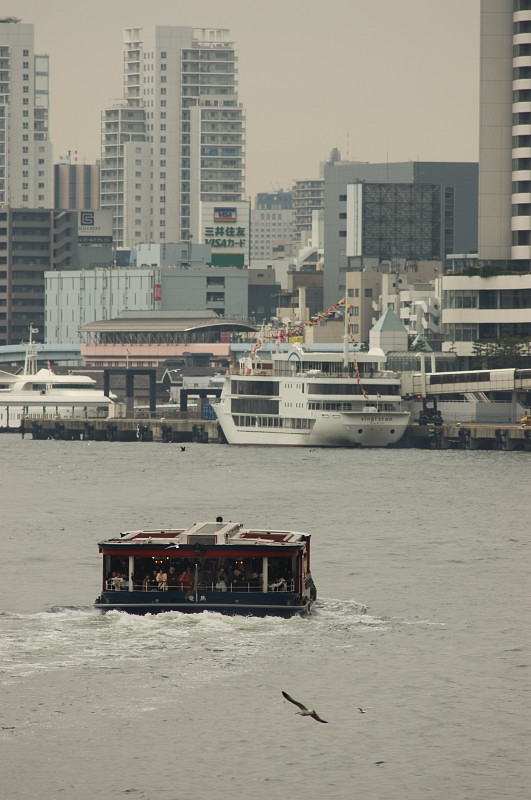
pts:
[304, 712]
[363, 710]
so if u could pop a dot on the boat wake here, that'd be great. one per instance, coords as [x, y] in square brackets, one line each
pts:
[204, 643]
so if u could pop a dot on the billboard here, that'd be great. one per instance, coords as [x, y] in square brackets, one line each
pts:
[225, 227]
[94, 227]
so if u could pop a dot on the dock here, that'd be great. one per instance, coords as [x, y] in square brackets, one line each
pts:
[468, 436]
[455, 436]
[124, 430]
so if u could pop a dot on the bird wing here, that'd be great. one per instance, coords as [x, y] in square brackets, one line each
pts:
[316, 716]
[295, 702]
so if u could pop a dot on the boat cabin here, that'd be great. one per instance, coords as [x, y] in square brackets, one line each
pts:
[209, 566]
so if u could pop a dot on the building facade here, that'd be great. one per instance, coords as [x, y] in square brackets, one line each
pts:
[307, 196]
[176, 138]
[504, 138]
[486, 306]
[487, 309]
[76, 186]
[26, 173]
[407, 210]
[32, 241]
[75, 298]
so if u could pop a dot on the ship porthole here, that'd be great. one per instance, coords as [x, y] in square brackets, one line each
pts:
[392, 430]
[360, 430]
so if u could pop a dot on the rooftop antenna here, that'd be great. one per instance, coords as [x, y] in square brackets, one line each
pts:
[348, 144]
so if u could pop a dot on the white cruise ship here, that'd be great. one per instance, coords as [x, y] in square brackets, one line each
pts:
[42, 393]
[309, 398]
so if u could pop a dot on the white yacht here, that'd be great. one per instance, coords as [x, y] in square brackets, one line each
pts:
[42, 393]
[312, 398]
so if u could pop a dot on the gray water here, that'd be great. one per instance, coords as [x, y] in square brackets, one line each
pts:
[421, 564]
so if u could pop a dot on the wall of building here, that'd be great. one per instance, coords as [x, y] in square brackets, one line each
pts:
[77, 297]
[475, 308]
[25, 149]
[219, 289]
[495, 130]
[458, 182]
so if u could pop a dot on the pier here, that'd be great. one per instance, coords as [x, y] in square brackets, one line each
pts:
[455, 436]
[124, 430]
[468, 436]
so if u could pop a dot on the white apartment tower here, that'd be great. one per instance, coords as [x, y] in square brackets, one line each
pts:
[505, 132]
[176, 138]
[26, 169]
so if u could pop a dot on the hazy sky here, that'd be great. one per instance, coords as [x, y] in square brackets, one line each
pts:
[381, 80]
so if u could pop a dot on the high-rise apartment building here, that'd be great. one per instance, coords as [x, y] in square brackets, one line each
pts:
[491, 308]
[176, 138]
[25, 149]
[504, 132]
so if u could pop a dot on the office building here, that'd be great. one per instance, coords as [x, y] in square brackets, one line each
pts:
[272, 225]
[25, 149]
[395, 212]
[176, 138]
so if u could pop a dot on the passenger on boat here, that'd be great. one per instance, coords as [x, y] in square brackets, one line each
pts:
[221, 585]
[185, 578]
[237, 579]
[222, 575]
[162, 580]
[209, 575]
[118, 581]
[146, 583]
[172, 578]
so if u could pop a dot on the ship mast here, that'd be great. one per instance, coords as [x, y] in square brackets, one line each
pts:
[30, 361]
[345, 338]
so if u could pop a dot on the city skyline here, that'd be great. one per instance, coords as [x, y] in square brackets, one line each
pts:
[308, 73]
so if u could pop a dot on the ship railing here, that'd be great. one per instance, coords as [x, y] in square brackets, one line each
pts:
[245, 586]
[248, 371]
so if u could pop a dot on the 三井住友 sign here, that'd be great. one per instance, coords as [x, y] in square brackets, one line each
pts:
[225, 236]
[224, 215]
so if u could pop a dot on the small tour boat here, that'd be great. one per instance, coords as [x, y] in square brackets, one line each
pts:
[210, 566]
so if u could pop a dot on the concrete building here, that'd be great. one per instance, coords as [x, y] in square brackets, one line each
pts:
[75, 298]
[25, 150]
[76, 186]
[173, 254]
[176, 138]
[32, 241]
[504, 140]
[410, 210]
[271, 233]
[272, 226]
[498, 305]
[487, 309]
[372, 291]
[307, 196]
[263, 291]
